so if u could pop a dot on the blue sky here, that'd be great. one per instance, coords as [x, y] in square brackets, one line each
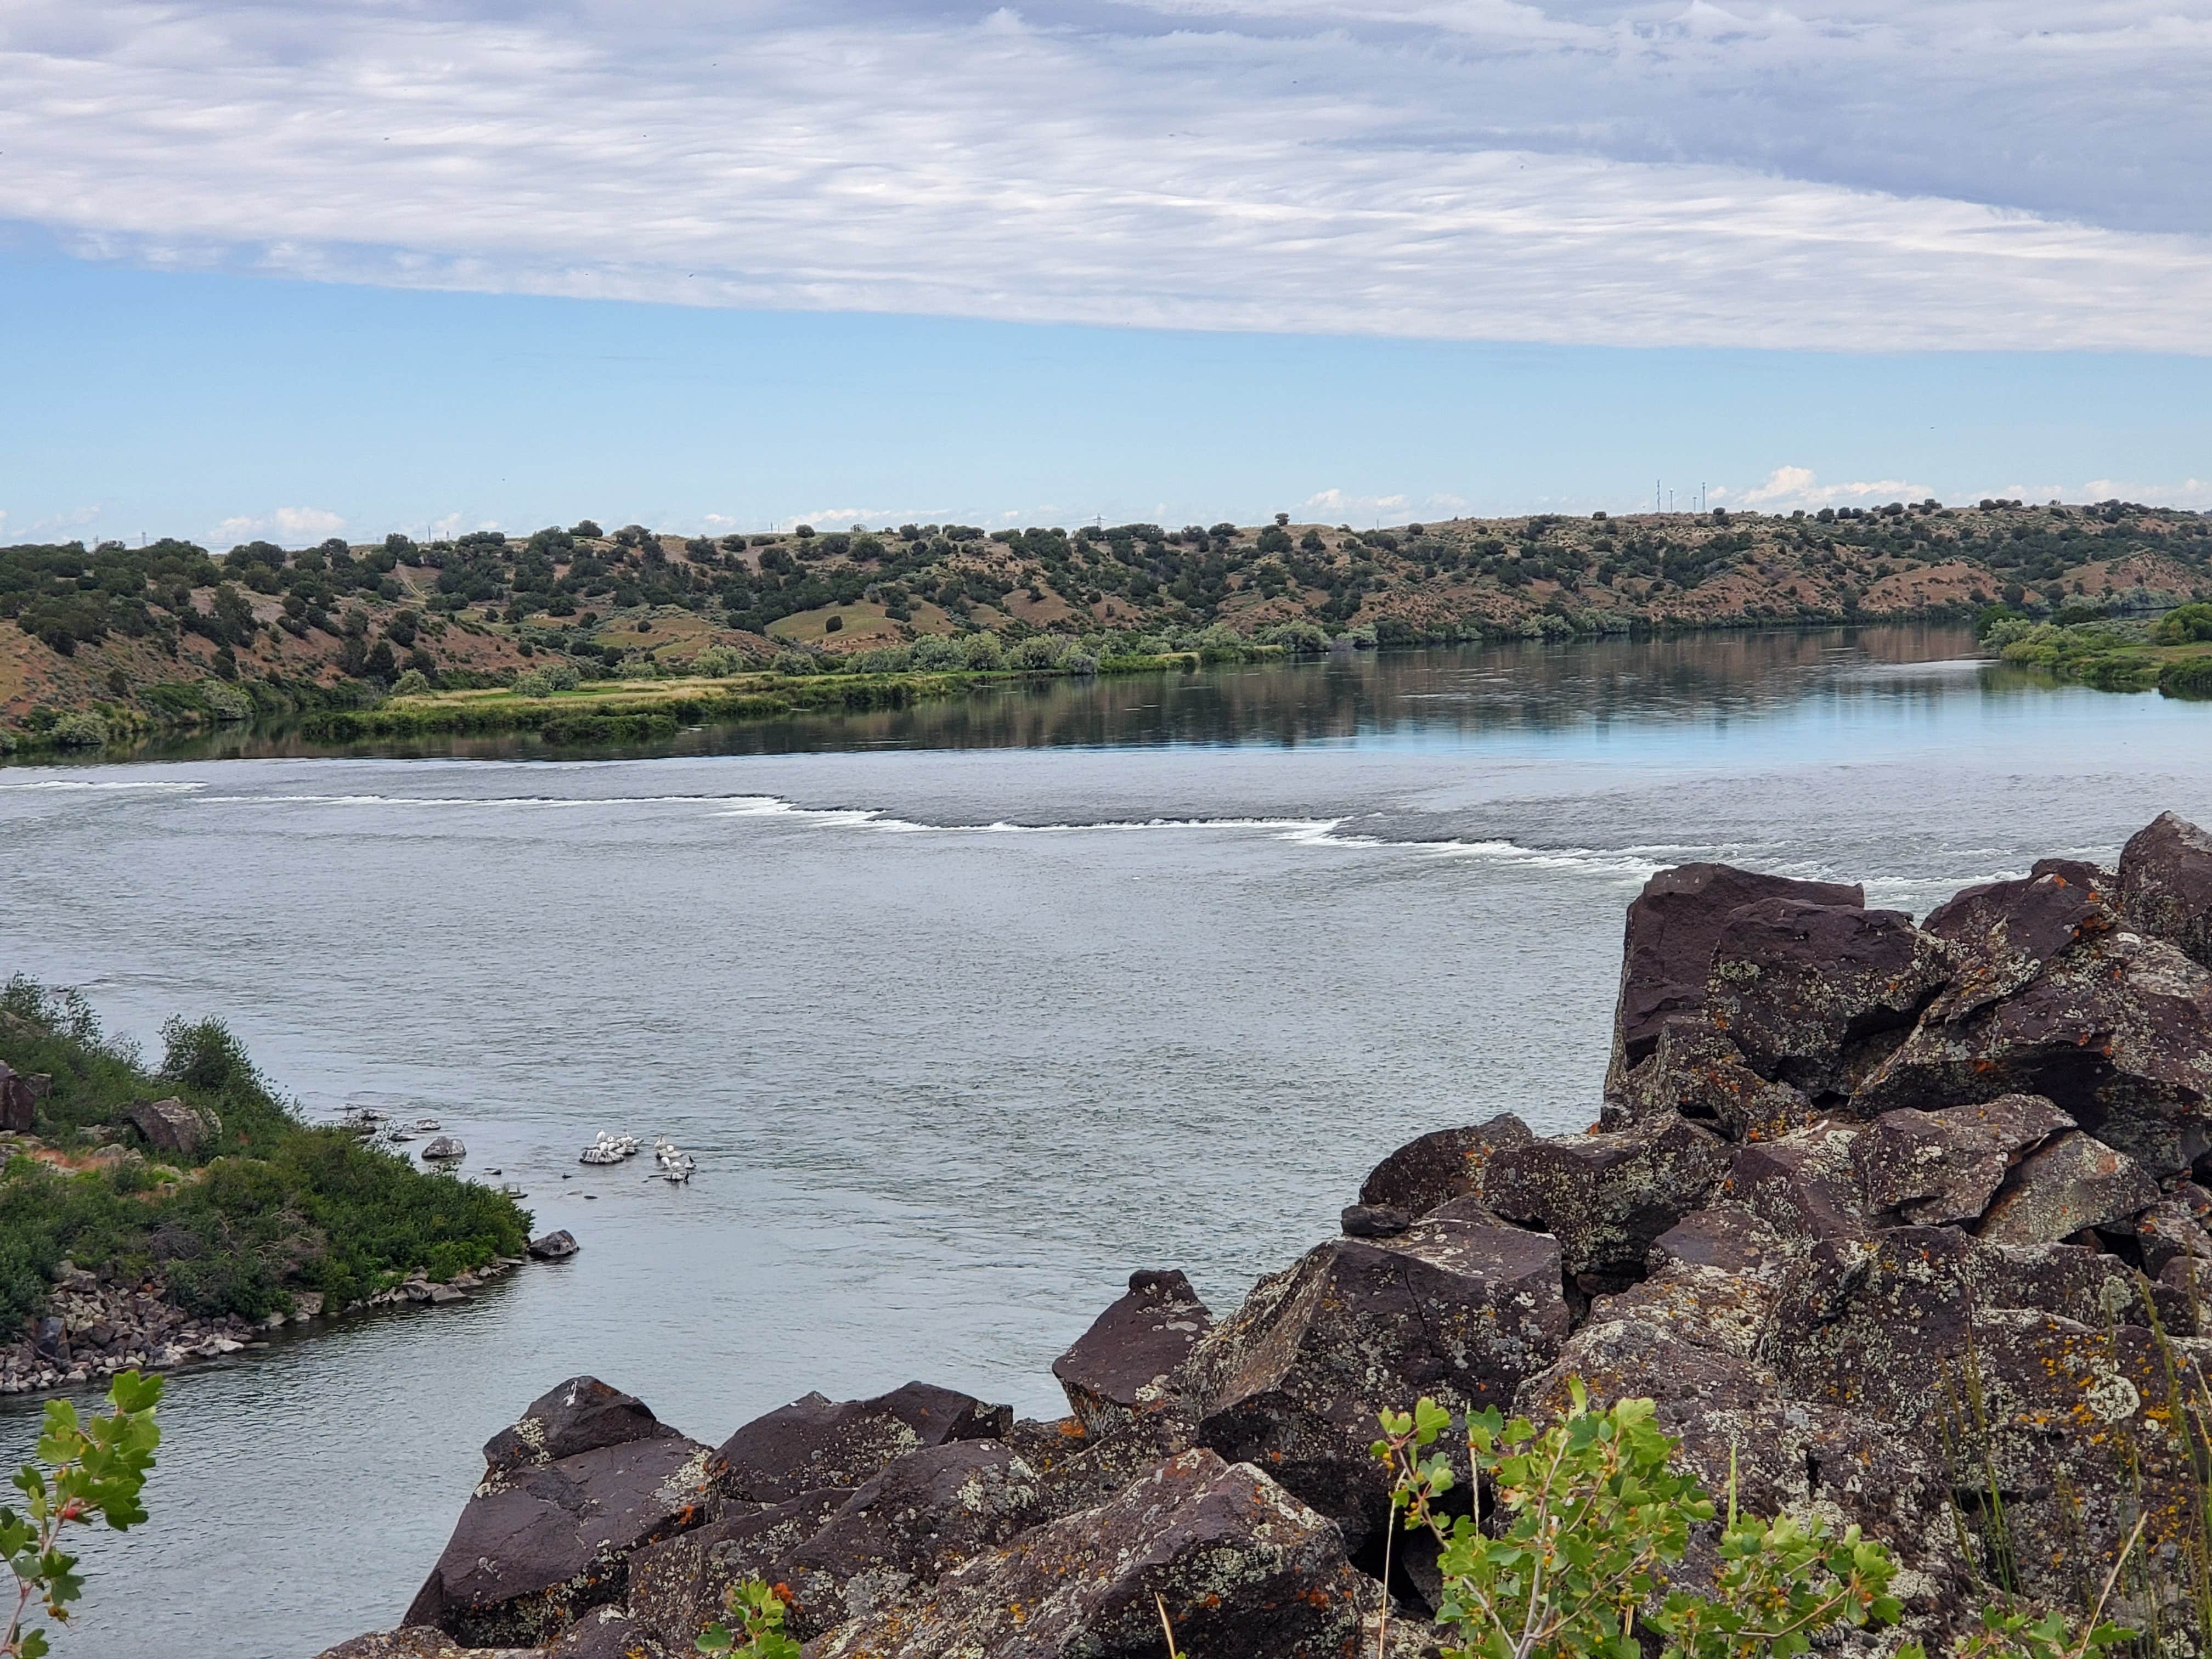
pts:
[267, 268]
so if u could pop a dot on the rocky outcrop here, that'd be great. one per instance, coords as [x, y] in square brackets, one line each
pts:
[1897, 1225]
[1606, 1197]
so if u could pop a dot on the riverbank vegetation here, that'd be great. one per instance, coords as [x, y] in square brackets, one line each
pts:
[103, 644]
[265, 1207]
[2170, 653]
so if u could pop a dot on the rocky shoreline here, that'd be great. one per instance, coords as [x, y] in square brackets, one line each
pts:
[95, 1327]
[1898, 1223]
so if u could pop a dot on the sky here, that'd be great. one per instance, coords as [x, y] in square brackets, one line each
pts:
[293, 269]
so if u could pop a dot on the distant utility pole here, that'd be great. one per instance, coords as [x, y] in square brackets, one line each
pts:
[1654, 495]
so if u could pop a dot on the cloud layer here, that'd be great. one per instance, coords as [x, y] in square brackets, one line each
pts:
[1874, 175]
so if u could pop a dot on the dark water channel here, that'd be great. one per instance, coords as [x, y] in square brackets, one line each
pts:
[965, 1010]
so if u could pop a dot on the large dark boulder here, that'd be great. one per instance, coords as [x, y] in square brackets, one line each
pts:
[2115, 1030]
[1119, 1370]
[1695, 1072]
[1606, 1197]
[2002, 934]
[2166, 883]
[1243, 1568]
[1808, 991]
[611, 1633]
[171, 1126]
[1932, 1169]
[1673, 925]
[18, 1098]
[677, 1587]
[540, 1544]
[557, 1246]
[582, 1414]
[418, 1642]
[1459, 1307]
[927, 1513]
[1805, 1184]
[1438, 1167]
[1875, 1325]
[2073, 1183]
[815, 1441]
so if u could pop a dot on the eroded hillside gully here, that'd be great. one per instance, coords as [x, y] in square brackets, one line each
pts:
[1886, 1218]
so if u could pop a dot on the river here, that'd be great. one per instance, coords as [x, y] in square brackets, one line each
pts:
[965, 1010]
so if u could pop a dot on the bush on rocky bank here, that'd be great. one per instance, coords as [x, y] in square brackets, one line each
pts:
[177, 1206]
[1897, 1225]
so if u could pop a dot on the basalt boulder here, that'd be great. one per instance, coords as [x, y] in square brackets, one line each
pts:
[2113, 1031]
[18, 1098]
[1816, 995]
[540, 1544]
[677, 1587]
[1696, 1072]
[2073, 1183]
[1932, 1169]
[581, 1415]
[815, 1441]
[611, 1633]
[1805, 1185]
[557, 1246]
[1459, 1307]
[2002, 934]
[1438, 1167]
[419, 1642]
[1606, 1197]
[2166, 883]
[1119, 1370]
[1244, 1569]
[171, 1126]
[1668, 950]
[927, 1513]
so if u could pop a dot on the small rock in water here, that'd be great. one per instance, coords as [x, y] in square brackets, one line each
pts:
[444, 1148]
[555, 1246]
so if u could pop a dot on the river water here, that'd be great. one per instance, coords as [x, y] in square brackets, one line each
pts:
[965, 1010]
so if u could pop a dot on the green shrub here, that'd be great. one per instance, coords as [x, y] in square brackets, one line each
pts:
[935, 652]
[412, 683]
[535, 684]
[81, 730]
[1593, 1513]
[225, 702]
[718, 662]
[2185, 626]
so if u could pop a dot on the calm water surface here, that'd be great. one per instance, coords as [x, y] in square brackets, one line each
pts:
[966, 1010]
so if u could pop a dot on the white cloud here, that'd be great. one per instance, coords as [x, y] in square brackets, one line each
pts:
[2192, 493]
[1874, 175]
[1788, 487]
[295, 524]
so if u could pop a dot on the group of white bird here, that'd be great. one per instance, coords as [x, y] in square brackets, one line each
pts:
[675, 1164]
[608, 1149]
